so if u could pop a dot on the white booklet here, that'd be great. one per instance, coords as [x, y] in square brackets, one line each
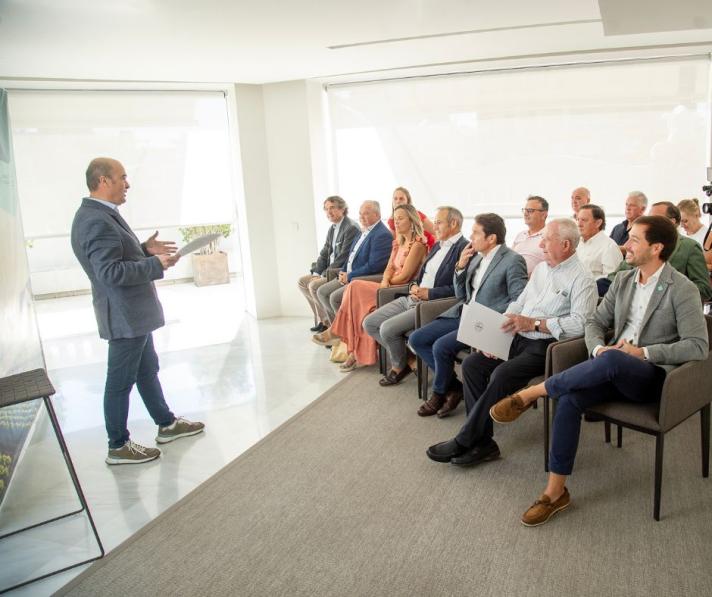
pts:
[198, 243]
[481, 328]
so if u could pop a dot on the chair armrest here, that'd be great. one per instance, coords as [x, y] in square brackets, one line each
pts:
[386, 295]
[564, 354]
[686, 390]
[371, 278]
[427, 311]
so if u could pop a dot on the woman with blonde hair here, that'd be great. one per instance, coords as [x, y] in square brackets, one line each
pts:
[407, 255]
[691, 221]
[401, 196]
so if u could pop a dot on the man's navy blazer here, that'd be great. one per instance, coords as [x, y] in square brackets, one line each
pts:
[120, 271]
[373, 254]
[443, 286]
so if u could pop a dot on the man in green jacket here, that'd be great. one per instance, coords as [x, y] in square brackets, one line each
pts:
[687, 258]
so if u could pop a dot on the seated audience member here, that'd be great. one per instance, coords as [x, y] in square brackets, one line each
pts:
[367, 256]
[401, 196]
[635, 362]
[342, 233]
[691, 220]
[596, 250]
[554, 305]
[491, 274]
[528, 242]
[579, 196]
[635, 206]
[687, 258]
[407, 255]
[389, 324]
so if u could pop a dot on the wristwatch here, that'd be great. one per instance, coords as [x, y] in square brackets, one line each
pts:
[537, 323]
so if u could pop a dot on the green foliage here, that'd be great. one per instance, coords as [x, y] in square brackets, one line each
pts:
[191, 232]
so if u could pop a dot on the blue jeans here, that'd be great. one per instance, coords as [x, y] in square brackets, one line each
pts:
[436, 343]
[132, 361]
[614, 375]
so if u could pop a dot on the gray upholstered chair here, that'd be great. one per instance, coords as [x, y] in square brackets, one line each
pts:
[687, 390]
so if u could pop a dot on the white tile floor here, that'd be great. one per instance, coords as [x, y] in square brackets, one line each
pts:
[219, 365]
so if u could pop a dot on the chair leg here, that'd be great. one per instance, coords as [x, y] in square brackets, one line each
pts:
[607, 431]
[546, 433]
[705, 436]
[381, 360]
[659, 441]
[619, 439]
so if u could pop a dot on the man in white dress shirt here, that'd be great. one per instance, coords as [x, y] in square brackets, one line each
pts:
[597, 251]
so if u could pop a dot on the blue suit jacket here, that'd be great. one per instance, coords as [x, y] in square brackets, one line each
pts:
[120, 271]
[373, 254]
[502, 283]
[443, 286]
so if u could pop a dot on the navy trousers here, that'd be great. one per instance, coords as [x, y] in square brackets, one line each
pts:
[132, 361]
[614, 375]
[436, 343]
[486, 381]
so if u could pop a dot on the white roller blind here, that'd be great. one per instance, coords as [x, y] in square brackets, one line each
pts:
[484, 142]
[174, 145]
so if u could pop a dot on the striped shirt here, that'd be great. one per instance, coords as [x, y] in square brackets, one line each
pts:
[563, 295]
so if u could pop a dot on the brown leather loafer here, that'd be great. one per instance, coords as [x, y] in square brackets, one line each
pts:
[543, 509]
[431, 405]
[508, 409]
[452, 399]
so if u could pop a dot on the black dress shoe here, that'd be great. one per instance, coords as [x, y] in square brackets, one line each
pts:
[477, 454]
[394, 378]
[318, 328]
[445, 451]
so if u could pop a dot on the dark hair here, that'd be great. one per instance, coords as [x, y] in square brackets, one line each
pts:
[659, 229]
[597, 213]
[542, 202]
[671, 211]
[340, 203]
[492, 224]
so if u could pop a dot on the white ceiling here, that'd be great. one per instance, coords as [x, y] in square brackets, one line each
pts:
[278, 40]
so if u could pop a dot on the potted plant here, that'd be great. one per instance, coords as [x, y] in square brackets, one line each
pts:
[209, 263]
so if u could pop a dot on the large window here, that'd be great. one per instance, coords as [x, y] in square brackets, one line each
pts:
[174, 145]
[484, 142]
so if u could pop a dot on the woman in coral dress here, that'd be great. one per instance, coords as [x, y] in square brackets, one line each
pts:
[407, 255]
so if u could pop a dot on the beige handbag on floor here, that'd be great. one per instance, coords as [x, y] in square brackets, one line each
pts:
[339, 354]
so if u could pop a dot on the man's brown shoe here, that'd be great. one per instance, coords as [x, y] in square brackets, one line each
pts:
[431, 405]
[543, 509]
[452, 399]
[508, 409]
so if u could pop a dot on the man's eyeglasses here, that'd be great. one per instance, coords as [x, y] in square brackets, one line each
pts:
[530, 210]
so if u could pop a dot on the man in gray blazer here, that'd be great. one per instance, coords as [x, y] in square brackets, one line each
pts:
[342, 233]
[491, 273]
[121, 271]
[658, 324]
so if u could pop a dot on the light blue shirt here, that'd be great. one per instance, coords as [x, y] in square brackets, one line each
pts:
[107, 203]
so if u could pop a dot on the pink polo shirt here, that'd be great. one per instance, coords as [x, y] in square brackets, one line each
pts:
[527, 245]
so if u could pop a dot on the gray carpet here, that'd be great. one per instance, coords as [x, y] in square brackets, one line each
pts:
[341, 500]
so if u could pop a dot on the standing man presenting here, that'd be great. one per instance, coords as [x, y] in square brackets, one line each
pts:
[121, 271]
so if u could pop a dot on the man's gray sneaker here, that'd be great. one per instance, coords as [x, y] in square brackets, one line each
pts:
[131, 453]
[179, 428]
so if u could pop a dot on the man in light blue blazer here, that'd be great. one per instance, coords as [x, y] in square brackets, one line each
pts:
[121, 271]
[491, 273]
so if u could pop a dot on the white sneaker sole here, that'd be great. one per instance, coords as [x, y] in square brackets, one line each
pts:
[115, 461]
[165, 440]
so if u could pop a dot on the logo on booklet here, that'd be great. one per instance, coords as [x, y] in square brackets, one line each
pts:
[479, 326]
